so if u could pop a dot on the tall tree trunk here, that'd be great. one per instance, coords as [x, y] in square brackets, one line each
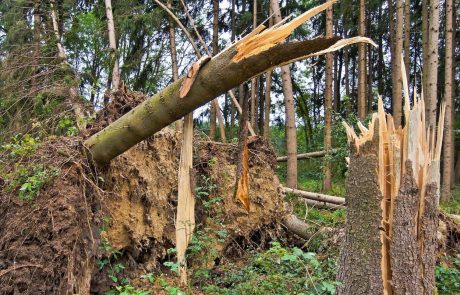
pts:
[232, 106]
[432, 78]
[425, 48]
[407, 38]
[370, 63]
[74, 94]
[338, 63]
[381, 62]
[254, 80]
[396, 71]
[268, 85]
[36, 50]
[113, 45]
[291, 134]
[448, 151]
[173, 51]
[267, 105]
[328, 106]
[215, 50]
[362, 62]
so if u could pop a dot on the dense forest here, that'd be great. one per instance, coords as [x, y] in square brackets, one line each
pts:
[209, 147]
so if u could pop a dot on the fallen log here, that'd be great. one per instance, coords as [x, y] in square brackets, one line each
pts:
[320, 198]
[309, 155]
[296, 226]
[255, 53]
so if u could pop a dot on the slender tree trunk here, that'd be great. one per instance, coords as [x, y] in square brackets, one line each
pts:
[268, 83]
[36, 50]
[381, 62]
[291, 134]
[113, 45]
[432, 79]
[328, 106]
[215, 50]
[425, 48]
[338, 63]
[232, 105]
[73, 91]
[396, 71]
[407, 38]
[370, 63]
[173, 51]
[448, 155]
[254, 80]
[362, 62]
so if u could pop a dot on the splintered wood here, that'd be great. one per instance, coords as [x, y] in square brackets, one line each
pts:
[185, 220]
[407, 175]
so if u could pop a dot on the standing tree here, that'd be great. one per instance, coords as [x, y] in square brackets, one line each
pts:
[362, 62]
[113, 46]
[431, 83]
[215, 50]
[291, 136]
[396, 70]
[448, 149]
[328, 105]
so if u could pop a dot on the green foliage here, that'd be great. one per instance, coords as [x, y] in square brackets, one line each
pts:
[448, 277]
[29, 179]
[452, 205]
[21, 146]
[279, 270]
[66, 126]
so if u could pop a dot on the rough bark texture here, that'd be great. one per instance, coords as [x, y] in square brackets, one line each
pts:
[428, 236]
[425, 41]
[404, 259]
[215, 78]
[362, 63]
[448, 151]
[291, 135]
[432, 78]
[361, 255]
[396, 71]
[328, 106]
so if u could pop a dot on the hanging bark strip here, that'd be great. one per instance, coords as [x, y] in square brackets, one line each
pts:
[392, 199]
[242, 169]
[217, 76]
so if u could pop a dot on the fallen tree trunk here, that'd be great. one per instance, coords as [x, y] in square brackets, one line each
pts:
[214, 79]
[309, 155]
[252, 55]
[321, 198]
[296, 226]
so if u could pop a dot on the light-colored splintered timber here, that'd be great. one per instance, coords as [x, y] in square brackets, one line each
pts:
[415, 143]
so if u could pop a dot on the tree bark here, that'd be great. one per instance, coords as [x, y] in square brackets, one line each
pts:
[362, 62]
[112, 45]
[448, 151]
[215, 50]
[432, 75]
[425, 47]
[291, 134]
[310, 155]
[407, 62]
[217, 76]
[328, 105]
[175, 70]
[396, 71]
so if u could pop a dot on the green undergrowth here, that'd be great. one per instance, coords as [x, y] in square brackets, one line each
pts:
[452, 205]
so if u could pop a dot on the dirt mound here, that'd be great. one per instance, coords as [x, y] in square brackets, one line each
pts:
[47, 244]
[54, 243]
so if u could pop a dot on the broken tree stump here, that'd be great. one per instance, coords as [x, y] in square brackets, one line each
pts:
[390, 241]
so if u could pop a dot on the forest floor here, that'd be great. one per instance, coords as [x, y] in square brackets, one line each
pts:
[69, 225]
